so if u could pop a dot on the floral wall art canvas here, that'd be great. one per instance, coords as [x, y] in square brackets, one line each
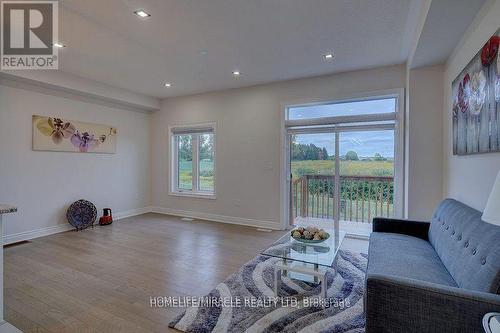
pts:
[57, 134]
[476, 99]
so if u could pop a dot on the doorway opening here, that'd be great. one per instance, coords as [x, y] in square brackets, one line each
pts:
[344, 163]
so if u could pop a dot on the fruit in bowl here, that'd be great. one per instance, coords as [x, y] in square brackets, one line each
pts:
[309, 234]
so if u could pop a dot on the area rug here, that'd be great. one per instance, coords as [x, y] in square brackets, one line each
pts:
[245, 301]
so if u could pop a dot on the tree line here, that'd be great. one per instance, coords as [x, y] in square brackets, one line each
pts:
[302, 152]
[206, 147]
[311, 152]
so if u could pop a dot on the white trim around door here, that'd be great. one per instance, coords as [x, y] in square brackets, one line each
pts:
[399, 141]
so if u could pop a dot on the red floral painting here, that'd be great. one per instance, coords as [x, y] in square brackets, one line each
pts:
[475, 102]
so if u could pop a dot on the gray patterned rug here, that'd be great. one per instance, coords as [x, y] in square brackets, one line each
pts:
[245, 302]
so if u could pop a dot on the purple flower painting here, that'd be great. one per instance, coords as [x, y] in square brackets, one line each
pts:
[476, 93]
[57, 134]
[84, 141]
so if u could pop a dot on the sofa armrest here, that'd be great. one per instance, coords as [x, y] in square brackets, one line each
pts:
[406, 227]
[397, 304]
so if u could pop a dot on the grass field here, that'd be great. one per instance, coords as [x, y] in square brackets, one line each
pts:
[299, 168]
[347, 168]
[206, 175]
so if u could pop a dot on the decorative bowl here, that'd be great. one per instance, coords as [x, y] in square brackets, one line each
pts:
[309, 234]
[311, 241]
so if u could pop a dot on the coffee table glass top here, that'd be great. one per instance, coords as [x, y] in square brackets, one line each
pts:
[322, 254]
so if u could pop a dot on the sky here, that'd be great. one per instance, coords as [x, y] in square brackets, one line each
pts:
[343, 109]
[364, 143]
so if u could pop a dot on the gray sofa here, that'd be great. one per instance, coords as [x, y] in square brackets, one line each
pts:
[438, 276]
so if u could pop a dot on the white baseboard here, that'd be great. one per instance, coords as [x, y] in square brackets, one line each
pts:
[27, 235]
[217, 218]
[130, 213]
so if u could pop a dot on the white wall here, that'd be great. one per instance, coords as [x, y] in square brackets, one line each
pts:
[43, 184]
[248, 141]
[469, 178]
[58, 81]
[425, 141]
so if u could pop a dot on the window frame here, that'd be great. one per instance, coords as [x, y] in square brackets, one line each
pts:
[400, 142]
[195, 192]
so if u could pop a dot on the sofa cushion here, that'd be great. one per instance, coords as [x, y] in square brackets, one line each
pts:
[406, 256]
[468, 246]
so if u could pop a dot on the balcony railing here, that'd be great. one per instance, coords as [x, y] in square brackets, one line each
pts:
[361, 197]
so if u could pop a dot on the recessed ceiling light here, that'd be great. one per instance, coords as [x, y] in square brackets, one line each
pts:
[142, 13]
[328, 56]
[236, 73]
[59, 45]
[168, 84]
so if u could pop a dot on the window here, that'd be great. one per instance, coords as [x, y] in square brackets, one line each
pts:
[348, 108]
[193, 160]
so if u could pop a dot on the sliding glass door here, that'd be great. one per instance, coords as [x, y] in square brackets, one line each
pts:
[343, 169]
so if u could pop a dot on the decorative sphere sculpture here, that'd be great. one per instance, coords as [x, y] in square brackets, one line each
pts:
[81, 214]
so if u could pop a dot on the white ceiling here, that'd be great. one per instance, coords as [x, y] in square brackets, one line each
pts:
[267, 40]
[445, 24]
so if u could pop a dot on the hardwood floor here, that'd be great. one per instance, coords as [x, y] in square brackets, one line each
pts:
[101, 279]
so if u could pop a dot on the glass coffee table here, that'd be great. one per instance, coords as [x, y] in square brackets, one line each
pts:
[304, 261]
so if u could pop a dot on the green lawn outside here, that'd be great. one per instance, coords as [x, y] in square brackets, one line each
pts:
[206, 175]
[299, 168]
[319, 205]
[347, 168]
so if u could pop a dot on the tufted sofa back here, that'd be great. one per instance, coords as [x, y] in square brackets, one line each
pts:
[468, 247]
